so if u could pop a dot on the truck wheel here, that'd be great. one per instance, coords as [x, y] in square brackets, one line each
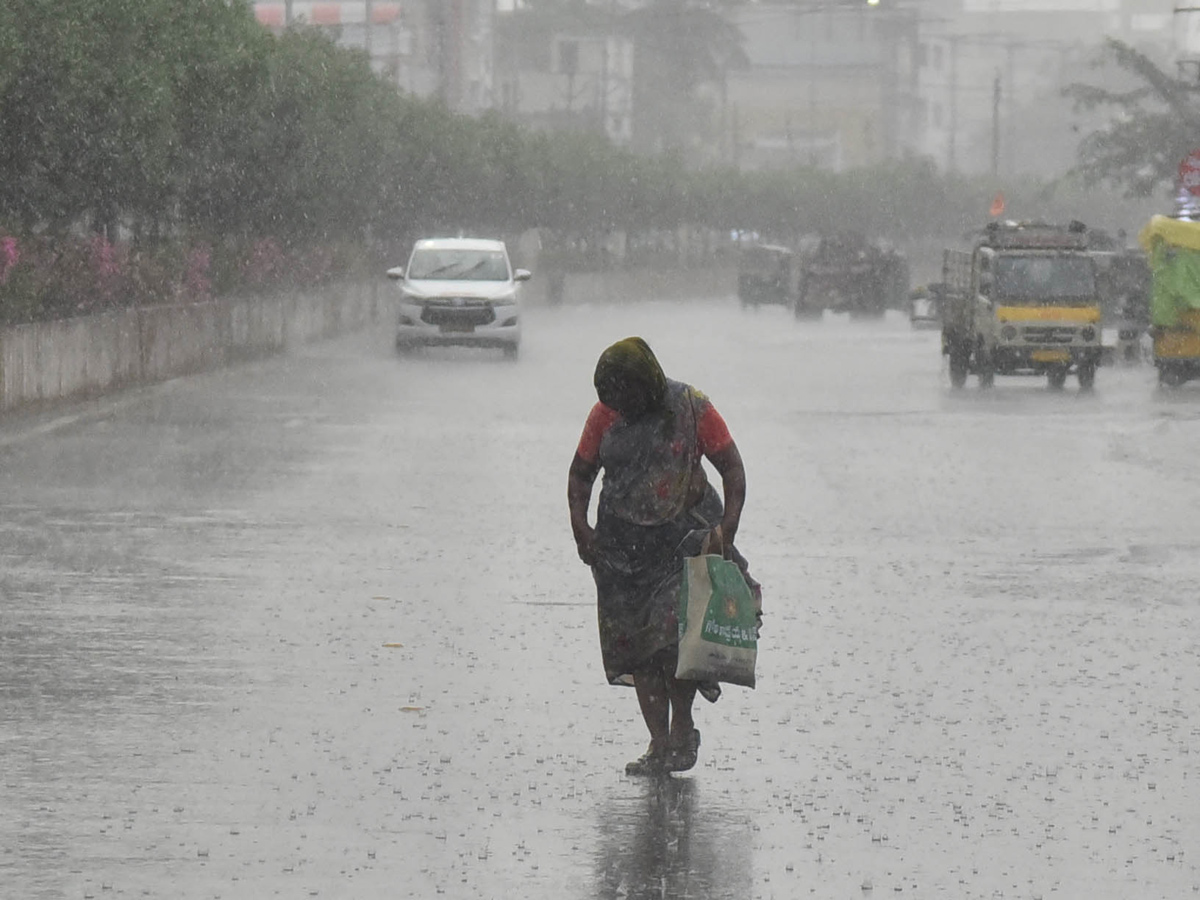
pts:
[983, 365]
[960, 366]
[801, 311]
[1086, 373]
[1057, 377]
[1170, 376]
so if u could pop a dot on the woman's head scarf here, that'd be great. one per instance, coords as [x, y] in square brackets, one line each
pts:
[629, 379]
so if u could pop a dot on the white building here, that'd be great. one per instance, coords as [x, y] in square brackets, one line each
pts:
[425, 47]
[831, 85]
[560, 73]
[991, 74]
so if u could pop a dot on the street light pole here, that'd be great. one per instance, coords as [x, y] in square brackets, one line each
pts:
[996, 124]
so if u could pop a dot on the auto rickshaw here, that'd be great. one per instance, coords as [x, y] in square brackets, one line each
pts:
[1173, 248]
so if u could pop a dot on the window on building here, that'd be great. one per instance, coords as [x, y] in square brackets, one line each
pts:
[568, 57]
[508, 95]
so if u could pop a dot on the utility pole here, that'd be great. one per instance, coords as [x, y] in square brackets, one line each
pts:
[1010, 118]
[605, 64]
[952, 149]
[996, 125]
[368, 26]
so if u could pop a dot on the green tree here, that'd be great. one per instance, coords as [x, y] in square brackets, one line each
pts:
[81, 110]
[1156, 123]
[680, 47]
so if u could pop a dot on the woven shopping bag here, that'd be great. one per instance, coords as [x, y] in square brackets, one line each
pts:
[718, 632]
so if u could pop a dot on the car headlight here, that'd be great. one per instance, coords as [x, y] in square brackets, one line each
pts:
[1088, 333]
[1008, 332]
[505, 300]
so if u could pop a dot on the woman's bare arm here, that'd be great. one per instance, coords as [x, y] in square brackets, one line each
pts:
[728, 463]
[580, 479]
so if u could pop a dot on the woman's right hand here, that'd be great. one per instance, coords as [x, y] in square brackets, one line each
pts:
[585, 545]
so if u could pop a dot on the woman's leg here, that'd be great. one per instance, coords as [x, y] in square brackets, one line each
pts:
[682, 694]
[654, 699]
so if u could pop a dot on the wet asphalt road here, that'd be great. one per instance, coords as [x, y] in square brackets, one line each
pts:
[314, 627]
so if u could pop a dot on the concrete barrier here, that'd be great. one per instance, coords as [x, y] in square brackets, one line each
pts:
[48, 362]
[635, 285]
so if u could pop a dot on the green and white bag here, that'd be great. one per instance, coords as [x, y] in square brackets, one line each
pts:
[718, 632]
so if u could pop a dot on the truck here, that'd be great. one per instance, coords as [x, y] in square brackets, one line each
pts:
[1023, 300]
[1173, 249]
[847, 272]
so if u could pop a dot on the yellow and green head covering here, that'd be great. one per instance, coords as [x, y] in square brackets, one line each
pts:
[629, 379]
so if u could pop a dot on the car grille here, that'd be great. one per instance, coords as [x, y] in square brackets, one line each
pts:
[1049, 334]
[467, 315]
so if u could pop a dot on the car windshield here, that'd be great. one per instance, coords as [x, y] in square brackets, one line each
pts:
[1045, 280]
[756, 260]
[458, 265]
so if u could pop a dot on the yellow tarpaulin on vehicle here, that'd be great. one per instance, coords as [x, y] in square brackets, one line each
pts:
[1176, 232]
[1173, 247]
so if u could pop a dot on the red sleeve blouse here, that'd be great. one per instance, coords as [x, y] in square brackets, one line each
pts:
[712, 433]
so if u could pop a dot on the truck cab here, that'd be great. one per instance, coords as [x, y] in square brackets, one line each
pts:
[1023, 301]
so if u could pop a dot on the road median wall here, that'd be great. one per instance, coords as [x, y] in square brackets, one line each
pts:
[43, 363]
[632, 285]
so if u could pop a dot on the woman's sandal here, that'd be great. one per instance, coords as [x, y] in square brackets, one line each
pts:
[652, 762]
[682, 758]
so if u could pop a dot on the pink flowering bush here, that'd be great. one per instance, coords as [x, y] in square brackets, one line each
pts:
[108, 266]
[197, 285]
[10, 255]
[265, 265]
[49, 278]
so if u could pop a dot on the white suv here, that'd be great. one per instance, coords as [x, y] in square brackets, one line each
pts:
[459, 291]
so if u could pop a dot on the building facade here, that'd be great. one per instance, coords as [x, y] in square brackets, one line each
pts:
[991, 75]
[565, 72]
[429, 48]
[829, 85]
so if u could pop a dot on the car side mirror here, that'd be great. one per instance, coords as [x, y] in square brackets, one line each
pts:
[522, 274]
[395, 273]
[985, 283]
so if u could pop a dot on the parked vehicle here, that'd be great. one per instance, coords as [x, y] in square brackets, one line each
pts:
[766, 275]
[848, 273]
[459, 291]
[925, 305]
[1123, 278]
[1022, 301]
[1173, 246]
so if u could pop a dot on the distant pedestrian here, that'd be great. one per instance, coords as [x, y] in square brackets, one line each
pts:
[650, 435]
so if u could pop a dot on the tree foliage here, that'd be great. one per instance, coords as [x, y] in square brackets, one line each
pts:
[681, 46]
[219, 148]
[1156, 123]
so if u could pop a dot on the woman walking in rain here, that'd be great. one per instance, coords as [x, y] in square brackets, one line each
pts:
[649, 435]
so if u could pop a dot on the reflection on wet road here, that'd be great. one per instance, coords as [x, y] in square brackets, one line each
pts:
[314, 627]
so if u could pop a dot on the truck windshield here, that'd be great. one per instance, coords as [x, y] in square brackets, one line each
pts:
[1045, 280]
[457, 265]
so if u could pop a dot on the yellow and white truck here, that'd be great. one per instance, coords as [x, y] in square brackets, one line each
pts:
[1173, 247]
[1023, 300]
